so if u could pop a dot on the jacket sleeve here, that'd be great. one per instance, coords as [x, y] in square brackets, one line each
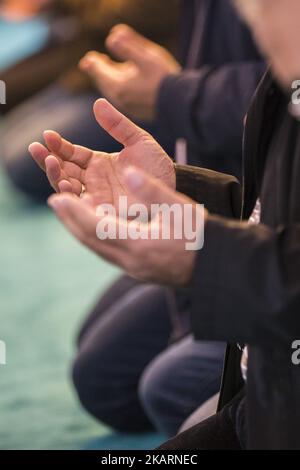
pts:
[199, 105]
[246, 286]
[220, 193]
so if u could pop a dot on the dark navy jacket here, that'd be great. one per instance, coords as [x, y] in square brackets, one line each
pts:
[206, 104]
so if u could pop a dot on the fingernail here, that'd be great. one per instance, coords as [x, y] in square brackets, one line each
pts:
[47, 133]
[31, 147]
[56, 202]
[112, 41]
[134, 178]
[82, 63]
[87, 61]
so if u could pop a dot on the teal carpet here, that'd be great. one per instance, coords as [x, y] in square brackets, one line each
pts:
[47, 283]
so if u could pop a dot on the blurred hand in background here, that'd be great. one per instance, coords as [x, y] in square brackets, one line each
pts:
[133, 84]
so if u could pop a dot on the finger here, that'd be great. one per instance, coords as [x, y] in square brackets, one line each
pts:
[65, 186]
[70, 170]
[76, 186]
[66, 150]
[119, 244]
[150, 190]
[90, 56]
[78, 219]
[57, 145]
[53, 171]
[56, 174]
[99, 66]
[126, 44]
[39, 153]
[87, 199]
[116, 124]
[53, 168]
[130, 33]
[81, 221]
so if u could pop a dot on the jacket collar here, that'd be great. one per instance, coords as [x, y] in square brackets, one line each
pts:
[257, 135]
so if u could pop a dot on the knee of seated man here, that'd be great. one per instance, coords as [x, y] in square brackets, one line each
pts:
[84, 381]
[92, 388]
[156, 392]
[99, 395]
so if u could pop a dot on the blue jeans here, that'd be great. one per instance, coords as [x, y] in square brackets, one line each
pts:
[127, 374]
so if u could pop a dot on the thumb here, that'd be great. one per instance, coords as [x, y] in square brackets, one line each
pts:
[148, 189]
[75, 215]
[116, 124]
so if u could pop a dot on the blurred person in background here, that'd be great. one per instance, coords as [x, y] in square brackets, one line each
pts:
[211, 84]
[20, 9]
[24, 29]
[44, 85]
[137, 365]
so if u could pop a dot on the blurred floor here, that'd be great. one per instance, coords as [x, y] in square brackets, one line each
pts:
[47, 283]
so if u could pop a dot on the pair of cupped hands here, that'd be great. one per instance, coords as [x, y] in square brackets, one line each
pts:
[84, 179]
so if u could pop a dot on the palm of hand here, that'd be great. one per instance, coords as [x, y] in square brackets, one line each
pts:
[104, 180]
[70, 167]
